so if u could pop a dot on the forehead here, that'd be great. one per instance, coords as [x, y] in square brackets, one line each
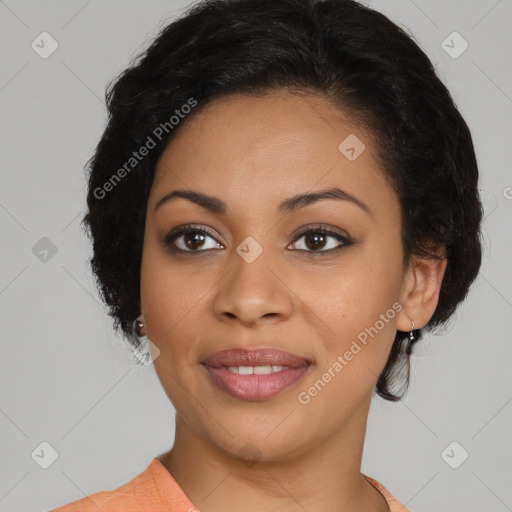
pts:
[266, 148]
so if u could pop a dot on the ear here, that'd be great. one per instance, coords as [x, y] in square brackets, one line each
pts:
[420, 290]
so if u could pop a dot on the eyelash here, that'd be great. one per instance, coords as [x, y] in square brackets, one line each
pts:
[319, 229]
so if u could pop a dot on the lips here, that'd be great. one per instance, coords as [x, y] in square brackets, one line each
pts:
[255, 374]
[255, 357]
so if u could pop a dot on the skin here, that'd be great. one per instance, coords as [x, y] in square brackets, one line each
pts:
[252, 153]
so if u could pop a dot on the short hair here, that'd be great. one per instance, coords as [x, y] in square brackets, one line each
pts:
[366, 65]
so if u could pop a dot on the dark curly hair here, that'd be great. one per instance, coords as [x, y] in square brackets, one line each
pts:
[354, 56]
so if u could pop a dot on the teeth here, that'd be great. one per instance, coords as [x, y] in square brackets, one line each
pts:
[256, 370]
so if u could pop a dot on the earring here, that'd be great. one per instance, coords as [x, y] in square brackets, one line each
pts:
[412, 338]
[142, 350]
[139, 330]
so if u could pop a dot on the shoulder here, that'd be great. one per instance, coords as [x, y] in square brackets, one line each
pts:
[134, 496]
[106, 501]
[393, 503]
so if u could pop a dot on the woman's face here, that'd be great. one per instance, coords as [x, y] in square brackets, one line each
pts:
[245, 276]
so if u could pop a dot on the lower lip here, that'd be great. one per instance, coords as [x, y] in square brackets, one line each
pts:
[255, 387]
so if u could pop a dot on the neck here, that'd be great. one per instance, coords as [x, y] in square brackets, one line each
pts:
[325, 477]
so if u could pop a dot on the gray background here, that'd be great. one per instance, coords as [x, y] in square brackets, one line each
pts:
[67, 380]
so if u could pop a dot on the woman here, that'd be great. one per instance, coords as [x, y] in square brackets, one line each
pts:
[285, 194]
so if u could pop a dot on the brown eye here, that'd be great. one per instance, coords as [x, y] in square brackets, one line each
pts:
[315, 240]
[193, 240]
[320, 240]
[189, 239]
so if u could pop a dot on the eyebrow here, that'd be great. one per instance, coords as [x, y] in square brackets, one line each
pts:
[216, 205]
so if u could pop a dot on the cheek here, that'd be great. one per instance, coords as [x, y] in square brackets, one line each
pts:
[357, 303]
[172, 296]
[354, 293]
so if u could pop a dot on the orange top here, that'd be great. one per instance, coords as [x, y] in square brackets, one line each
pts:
[155, 490]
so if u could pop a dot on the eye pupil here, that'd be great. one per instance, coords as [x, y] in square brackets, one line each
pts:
[319, 240]
[197, 238]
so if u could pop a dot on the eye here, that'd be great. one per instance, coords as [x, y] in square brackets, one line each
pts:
[191, 239]
[316, 239]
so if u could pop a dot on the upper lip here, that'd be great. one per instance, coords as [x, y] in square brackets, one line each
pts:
[265, 356]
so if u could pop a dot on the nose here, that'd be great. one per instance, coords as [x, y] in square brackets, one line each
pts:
[253, 293]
